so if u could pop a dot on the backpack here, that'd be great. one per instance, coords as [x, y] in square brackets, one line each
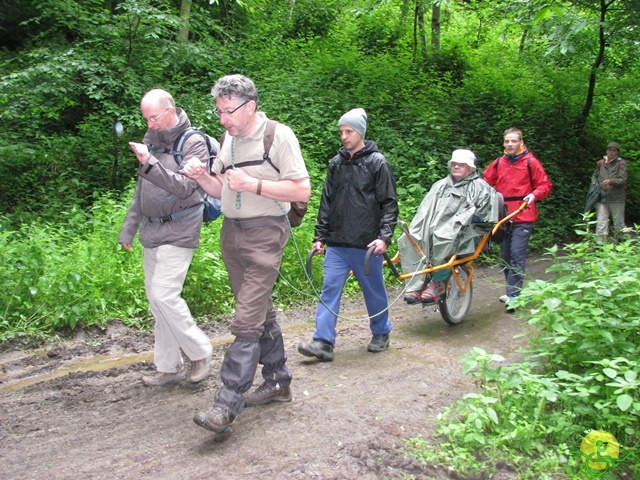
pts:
[212, 205]
[505, 228]
[298, 209]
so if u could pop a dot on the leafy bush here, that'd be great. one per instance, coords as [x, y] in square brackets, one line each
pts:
[582, 372]
[73, 272]
[58, 275]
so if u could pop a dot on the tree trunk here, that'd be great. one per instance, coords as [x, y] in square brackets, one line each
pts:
[523, 39]
[415, 35]
[404, 12]
[588, 103]
[421, 29]
[435, 26]
[292, 3]
[185, 13]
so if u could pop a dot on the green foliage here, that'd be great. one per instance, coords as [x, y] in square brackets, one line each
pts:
[72, 68]
[581, 374]
[72, 272]
[58, 275]
[311, 18]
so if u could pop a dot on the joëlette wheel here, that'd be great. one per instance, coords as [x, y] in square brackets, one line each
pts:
[455, 305]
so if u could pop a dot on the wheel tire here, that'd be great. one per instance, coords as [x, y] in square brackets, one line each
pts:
[454, 306]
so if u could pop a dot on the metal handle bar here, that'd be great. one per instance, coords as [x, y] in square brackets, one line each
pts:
[387, 261]
[309, 257]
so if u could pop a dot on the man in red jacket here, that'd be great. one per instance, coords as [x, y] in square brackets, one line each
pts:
[519, 176]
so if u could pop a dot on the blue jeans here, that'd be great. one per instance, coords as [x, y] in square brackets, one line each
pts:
[338, 261]
[513, 251]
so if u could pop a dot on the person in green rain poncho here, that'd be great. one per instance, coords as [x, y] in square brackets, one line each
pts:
[455, 214]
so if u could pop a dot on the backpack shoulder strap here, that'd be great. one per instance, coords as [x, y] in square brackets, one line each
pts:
[154, 149]
[269, 133]
[176, 151]
[180, 141]
[267, 141]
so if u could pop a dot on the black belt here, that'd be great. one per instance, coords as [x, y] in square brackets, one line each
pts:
[175, 216]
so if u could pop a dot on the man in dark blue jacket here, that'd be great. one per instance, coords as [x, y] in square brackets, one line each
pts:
[358, 210]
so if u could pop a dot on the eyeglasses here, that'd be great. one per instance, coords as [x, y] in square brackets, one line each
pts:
[219, 113]
[155, 118]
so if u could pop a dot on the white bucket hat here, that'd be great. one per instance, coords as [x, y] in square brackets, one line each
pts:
[463, 156]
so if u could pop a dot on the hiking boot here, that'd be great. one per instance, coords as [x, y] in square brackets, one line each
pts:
[267, 393]
[319, 349]
[432, 293]
[379, 343]
[162, 378]
[412, 297]
[200, 369]
[218, 419]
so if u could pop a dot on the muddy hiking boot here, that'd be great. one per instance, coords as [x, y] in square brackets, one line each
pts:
[267, 393]
[162, 378]
[319, 349]
[217, 419]
[200, 369]
[379, 343]
[432, 293]
[412, 297]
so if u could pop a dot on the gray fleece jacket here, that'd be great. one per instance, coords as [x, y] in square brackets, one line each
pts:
[162, 191]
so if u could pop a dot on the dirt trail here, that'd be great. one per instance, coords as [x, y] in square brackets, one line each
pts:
[79, 410]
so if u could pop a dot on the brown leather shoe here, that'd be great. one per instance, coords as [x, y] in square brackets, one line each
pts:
[218, 419]
[267, 393]
[162, 378]
[200, 369]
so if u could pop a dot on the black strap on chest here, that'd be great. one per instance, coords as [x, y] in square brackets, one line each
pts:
[267, 140]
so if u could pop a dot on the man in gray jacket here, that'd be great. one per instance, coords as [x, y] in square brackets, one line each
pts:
[167, 208]
[611, 174]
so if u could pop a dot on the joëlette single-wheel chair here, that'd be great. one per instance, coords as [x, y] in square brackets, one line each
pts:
[455, 302]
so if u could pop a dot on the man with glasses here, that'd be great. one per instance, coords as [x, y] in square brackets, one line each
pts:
[255, 199]
[167, 208]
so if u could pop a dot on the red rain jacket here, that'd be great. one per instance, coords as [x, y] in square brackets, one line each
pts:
[516, 180]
